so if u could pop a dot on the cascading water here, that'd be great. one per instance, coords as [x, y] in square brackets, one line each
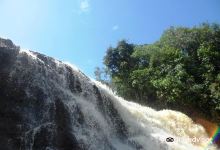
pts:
[46, 104]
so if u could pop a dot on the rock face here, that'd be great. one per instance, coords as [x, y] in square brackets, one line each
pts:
[40, 104]
[46, 104]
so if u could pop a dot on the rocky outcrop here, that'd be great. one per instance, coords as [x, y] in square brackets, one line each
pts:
[39, 106]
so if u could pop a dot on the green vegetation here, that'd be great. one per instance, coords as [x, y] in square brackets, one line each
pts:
[180, 71]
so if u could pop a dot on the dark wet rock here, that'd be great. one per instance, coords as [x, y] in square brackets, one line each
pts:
[42, 105]
[7, 44]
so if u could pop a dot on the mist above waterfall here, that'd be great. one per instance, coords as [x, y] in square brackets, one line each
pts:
[46, 104]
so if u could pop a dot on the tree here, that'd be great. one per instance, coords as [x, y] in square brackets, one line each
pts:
[180, 71]
[120, 63]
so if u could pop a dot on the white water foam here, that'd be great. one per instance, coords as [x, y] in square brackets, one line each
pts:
[149, 127]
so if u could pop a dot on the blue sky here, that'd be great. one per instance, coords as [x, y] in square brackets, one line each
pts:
[80, 31]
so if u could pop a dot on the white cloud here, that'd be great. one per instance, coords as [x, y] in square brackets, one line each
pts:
[84, 5]
[115, 27]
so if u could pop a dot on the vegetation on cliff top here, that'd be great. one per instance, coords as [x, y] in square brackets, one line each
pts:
[179, 71]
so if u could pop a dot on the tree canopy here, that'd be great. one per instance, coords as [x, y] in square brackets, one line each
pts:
[180, 71]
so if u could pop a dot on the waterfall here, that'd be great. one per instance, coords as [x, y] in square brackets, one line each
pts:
[46, 104]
